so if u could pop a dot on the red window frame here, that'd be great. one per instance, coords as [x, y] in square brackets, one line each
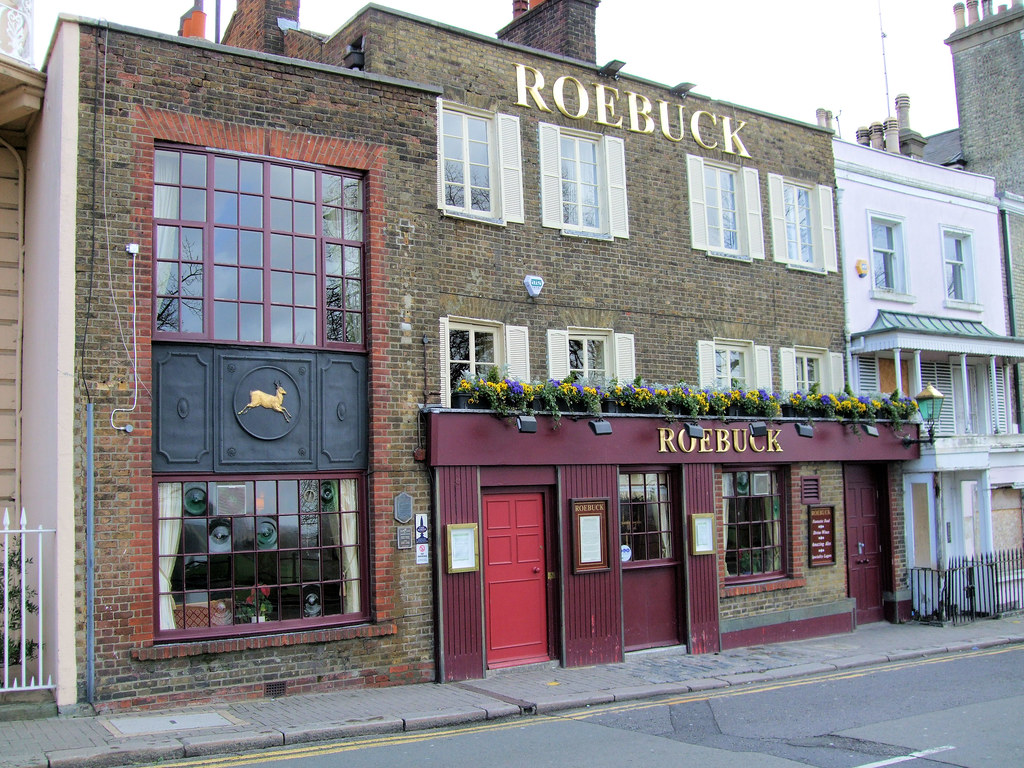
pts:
[214, 600]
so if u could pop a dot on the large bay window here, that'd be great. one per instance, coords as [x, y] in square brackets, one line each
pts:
[257, 250]
[234, 552]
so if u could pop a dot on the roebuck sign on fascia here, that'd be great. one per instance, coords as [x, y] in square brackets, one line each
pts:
[610, 107]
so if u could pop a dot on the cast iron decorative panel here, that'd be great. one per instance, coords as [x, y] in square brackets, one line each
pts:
[183, 383]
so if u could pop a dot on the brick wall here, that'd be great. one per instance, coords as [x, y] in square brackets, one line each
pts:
[654, 284]
[161, 90]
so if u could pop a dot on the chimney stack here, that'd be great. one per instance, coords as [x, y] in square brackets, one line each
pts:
[563, 27]
[958, 15]
[193, 22]
[260, 25]
[912, 143]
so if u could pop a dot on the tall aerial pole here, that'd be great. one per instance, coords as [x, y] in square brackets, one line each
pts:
[885, 69]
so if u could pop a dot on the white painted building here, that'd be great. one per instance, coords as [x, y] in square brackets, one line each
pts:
[925, 303]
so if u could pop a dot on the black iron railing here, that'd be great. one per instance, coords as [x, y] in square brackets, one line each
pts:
[969, 588]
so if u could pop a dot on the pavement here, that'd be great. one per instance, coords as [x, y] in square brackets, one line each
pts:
[84, 739]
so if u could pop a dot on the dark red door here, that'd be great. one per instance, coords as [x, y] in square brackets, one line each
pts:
[515, 600]
[864, 557]
[650, 567]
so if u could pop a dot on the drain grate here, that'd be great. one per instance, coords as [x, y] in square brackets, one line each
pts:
[273, 690]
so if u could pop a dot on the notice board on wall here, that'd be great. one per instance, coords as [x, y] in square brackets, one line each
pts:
[821, 531]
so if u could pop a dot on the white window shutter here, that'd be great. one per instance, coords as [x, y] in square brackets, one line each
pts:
[999, 404]
[446, 368]
[625, 357]
[777, 207]
[618, 206]
[440, 153]
[787, 368]
[867, 376]
[517, 352]
[752, 200]
[511, 154]
[558, 354]
[940, 375]
[838, 380]
[763, 364]
[698, 204]
[828, 228]
[706, 363]
[550, 176]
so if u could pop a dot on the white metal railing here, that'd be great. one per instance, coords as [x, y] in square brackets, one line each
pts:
[21, 579]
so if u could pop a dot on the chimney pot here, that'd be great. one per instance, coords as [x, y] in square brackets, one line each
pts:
[864, 135]
[519, 7]
[193, 22]
[891, 130]
[903, 110]
[986, 7]
[877, 136]
[824, 118]
[958, 15]
[972, 11]
[1002, 8]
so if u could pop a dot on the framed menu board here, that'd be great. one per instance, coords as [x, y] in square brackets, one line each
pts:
[821, 532]
[590, 543]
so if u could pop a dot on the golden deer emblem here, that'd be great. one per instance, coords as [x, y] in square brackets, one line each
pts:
[260, 399]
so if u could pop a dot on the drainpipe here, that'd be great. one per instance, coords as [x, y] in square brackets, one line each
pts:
[90, 562]
[1008, 265]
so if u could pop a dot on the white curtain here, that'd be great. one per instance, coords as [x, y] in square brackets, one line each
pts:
[351, 591]
[170, 542]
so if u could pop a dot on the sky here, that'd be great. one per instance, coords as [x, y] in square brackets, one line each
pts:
[784, 57]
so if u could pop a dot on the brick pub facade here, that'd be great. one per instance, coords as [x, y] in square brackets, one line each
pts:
[330, 232]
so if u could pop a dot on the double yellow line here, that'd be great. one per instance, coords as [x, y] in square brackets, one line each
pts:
[400, 738]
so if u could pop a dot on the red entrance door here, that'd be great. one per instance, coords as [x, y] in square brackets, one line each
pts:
[515, 601]
[864, 561]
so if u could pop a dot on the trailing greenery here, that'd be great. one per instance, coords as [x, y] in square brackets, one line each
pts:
[507, 397]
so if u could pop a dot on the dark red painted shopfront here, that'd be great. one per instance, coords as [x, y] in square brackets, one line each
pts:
[531, 598]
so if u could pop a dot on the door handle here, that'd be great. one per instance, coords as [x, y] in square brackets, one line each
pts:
[536, 570]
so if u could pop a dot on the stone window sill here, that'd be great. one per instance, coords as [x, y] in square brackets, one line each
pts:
[180, 649]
